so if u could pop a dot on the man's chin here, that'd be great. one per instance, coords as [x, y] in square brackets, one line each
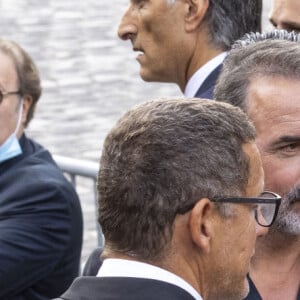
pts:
[149, 77]
[145, 75]
[237, 291]
[237, 295]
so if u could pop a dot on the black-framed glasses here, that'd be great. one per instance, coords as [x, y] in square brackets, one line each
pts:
[3, 94]
[265, 213]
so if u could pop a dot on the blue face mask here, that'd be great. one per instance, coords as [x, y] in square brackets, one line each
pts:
[11, 147]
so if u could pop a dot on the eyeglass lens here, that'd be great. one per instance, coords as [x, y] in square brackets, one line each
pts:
[266, 211]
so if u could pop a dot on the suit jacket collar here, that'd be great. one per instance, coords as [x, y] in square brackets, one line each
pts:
[123, 288]
[207, 88]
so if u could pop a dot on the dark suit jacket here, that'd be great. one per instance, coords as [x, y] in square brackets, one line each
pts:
[254, 294]
[123, 288]
[206, 90]
[40, 227]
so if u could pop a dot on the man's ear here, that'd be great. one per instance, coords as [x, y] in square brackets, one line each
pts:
[195, 13]
[27, 102]
[201, 223]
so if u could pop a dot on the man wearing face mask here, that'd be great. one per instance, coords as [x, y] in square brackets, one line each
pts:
[40, 214]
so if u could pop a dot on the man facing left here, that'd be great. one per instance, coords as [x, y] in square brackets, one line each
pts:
[40, 214]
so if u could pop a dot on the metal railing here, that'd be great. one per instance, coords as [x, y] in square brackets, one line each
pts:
[83, 168]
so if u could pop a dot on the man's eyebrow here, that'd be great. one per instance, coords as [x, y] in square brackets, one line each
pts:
[287, 24]
[287, 139]
[292, 25]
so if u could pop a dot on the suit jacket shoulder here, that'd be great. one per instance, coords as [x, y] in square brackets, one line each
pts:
[40, 226]
[123, 288]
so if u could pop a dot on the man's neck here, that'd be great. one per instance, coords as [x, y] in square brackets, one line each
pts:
[276, 266]
[197, 82]
[202, 51]
[198, 61]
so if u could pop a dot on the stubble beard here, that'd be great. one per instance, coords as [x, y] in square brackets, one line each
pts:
[288, 220]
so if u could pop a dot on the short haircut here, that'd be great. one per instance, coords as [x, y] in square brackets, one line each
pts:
[229, 20]
[275, 53]
[27, 72]
[162, 156]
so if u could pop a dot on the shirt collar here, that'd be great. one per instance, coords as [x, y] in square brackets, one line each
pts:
[112, 267]
[199, 76]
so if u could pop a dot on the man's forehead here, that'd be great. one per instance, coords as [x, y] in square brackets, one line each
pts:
[274, 107]
[273, 93]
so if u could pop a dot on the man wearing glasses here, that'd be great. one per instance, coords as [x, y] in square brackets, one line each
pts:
[262, 76]
[40, 214]
[180, 204]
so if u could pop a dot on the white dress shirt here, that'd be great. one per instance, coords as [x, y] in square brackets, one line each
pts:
[112, 267]
[199, 77]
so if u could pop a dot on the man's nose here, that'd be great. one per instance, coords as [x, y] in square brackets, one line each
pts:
[127, 27]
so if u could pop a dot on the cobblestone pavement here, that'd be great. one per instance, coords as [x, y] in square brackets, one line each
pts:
[89, 77]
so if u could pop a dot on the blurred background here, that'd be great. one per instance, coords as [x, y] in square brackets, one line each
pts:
[89, 77]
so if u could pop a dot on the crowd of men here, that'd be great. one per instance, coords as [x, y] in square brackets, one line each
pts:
[198, 198]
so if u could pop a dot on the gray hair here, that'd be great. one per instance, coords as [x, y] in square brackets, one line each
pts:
[162, 156]
[275, 53]
[276, 34]
[229, 20]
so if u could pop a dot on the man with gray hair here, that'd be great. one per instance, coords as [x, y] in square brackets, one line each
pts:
[185, 42]
[262, 76]
[181, 203]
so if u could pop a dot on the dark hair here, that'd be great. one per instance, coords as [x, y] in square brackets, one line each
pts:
[275, 53]
[27, 72]
[229, 20]
[161, 156]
